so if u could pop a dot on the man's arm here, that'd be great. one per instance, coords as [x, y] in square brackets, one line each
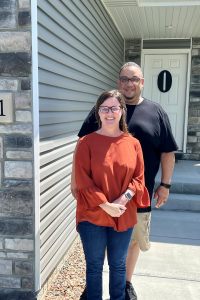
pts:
[167, 165]
[73, 181]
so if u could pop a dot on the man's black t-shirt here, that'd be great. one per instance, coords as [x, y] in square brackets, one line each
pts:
[148, 123]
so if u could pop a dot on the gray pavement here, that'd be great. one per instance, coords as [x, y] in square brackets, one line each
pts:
[170, 270]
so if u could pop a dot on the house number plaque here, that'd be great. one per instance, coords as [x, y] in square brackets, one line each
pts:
[164, 81]
[6, 108]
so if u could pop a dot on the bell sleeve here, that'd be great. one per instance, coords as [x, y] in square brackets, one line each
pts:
[89, 195]
[137, 183]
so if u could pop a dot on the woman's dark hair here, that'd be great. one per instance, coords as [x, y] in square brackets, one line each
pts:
[103, 97]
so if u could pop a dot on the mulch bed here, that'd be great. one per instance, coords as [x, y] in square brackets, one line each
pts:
[70, 282]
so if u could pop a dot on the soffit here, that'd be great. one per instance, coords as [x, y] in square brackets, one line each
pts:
[148, 19]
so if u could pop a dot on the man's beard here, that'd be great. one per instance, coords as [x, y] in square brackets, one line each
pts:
[128, 98]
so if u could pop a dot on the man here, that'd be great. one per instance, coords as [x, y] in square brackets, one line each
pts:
[150, 125]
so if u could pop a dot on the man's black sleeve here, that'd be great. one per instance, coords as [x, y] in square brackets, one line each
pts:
[167, 141]
[89, 125]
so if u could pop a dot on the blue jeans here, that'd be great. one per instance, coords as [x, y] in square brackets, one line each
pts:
[95, 239]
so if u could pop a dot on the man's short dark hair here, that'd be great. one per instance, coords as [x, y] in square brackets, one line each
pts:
[130, 64]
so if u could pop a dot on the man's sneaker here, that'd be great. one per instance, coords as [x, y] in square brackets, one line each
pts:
[84, 295]
[130, 293]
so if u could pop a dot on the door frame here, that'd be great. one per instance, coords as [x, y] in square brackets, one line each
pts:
[175, 51]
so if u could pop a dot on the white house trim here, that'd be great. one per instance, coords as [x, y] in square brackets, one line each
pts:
[175, 51]
[36, 141]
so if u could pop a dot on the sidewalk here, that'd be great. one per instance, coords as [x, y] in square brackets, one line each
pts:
[170, 270]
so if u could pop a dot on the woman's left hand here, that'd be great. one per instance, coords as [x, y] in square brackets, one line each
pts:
[121, 200]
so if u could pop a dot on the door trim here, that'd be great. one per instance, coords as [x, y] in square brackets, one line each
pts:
[175, 51]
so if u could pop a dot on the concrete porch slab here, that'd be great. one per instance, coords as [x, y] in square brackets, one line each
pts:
[171, 268]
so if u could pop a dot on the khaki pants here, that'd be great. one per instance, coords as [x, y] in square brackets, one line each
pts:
[141, 231]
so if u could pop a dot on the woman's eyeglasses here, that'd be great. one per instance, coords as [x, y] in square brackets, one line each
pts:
[105, 109]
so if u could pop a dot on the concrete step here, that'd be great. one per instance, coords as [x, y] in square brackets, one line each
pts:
[180, 202]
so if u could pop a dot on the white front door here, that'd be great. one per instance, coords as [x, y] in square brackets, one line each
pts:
[165, 83]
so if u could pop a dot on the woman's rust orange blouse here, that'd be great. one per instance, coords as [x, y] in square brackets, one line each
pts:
[104, 168]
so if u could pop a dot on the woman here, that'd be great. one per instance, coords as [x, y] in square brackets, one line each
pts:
[109, 174]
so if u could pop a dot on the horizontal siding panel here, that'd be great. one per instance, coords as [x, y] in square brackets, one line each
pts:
[53, 92]
[51, 216]
[55, 67]
[56, 154]
[102, 17]
[52, 204]
[77, 42]
[48, 38]
[53, 167]
[98, 30]
[73, 59]
[45, 259]
[55, 190]
[58, 141]
[64, 105]
[66, 83]
[94, 37]
[54, 179]
[57, 233]
[59, 254]
[57, 129]
[47, 118]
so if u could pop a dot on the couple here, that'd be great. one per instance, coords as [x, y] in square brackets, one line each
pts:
[109, 177]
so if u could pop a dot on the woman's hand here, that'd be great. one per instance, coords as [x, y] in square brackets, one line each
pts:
[122, 199]
[113, 209]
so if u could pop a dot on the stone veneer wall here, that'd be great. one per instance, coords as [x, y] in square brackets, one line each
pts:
[193, 142]
[133, 53]
[16, 154]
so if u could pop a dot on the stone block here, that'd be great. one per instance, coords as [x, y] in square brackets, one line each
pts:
[16, 203]
[17, 141]
[189, 151]
[19, 128]
[194, 99]
[194, 71]
[5, 267]
[192, 139]
[196, 149]
[16, 227]
[196, 46]
[192, 133]
[195, 52]
[22, 184]
[15, 41]
[1, 243]
[28, 283]
[18, 169]
[196, 61]
[22, 100]
[198, 133]
[193, 113]
[10, 282]
[8, 85]
[23, 268]
[24, 18]
[19, 244]
[198, 139]
[17, 255]
[2, 254]
[15, 64]
[25, 84]
[9, 294]
[1, 147]
[135, 58]
[19, 155]
[195, 41]
[24, 3]
[194, 105]
[23, 116]
[195, 79]
[7, 14]
[194, 120]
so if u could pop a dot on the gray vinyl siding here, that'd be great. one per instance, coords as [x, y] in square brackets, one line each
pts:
[80, 52]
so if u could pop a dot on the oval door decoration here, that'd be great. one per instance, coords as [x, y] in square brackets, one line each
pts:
[164, 81]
